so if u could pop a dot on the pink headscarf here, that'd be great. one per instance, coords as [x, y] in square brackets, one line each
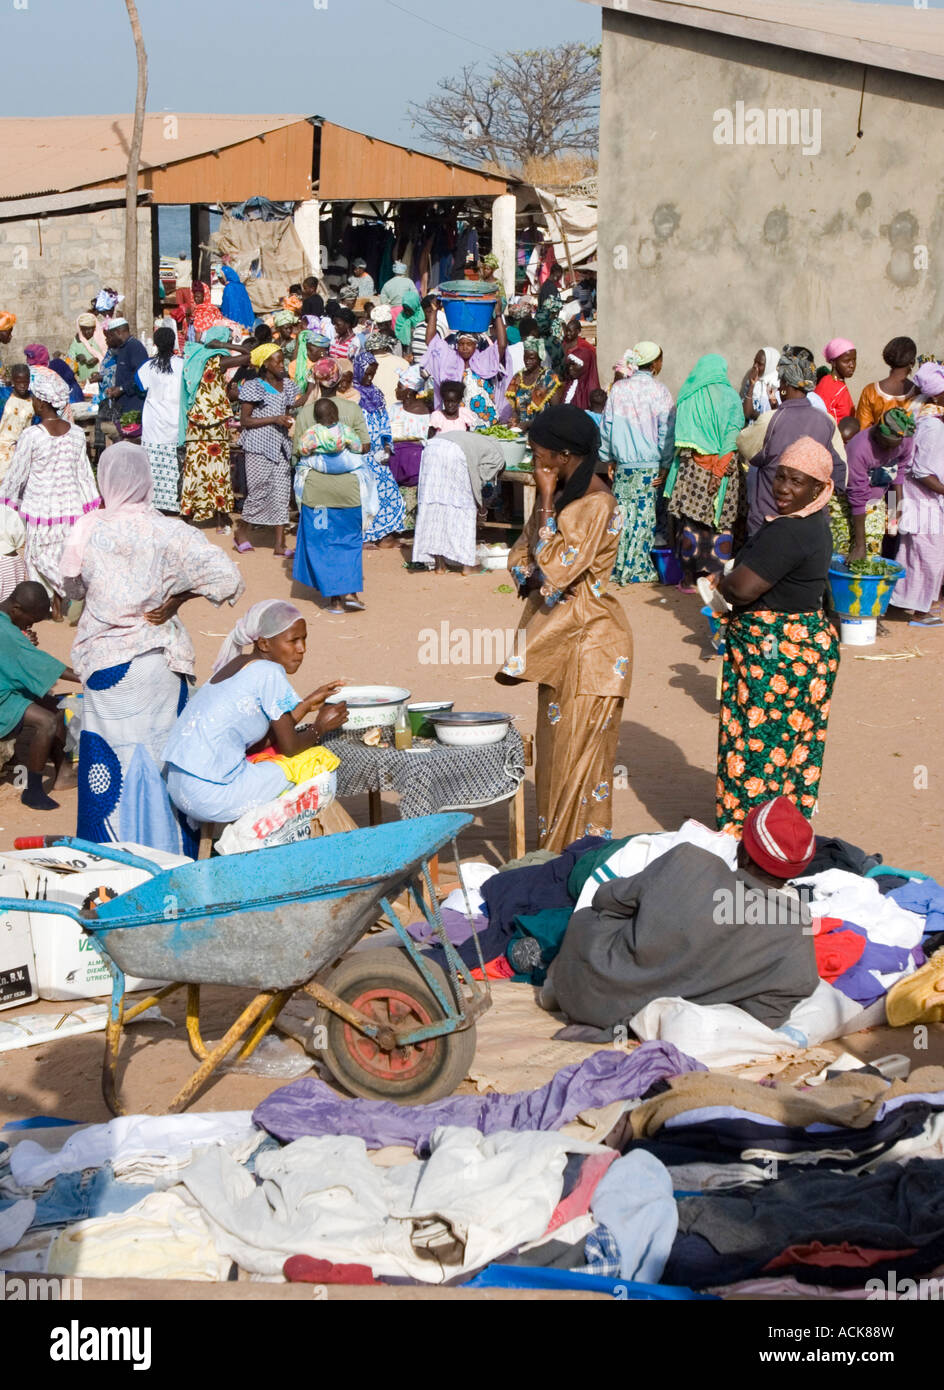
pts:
[836, 347]
[806, 456]
[127, 487]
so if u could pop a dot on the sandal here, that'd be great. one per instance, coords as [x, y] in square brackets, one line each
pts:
[243, 546]
[929, 620]
[354, 605]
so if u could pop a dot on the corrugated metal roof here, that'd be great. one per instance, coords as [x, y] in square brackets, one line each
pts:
[57, 153]
[901, 38]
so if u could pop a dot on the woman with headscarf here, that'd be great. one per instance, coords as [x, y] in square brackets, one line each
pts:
[876, 459]
[921, 520]
[202, 314]
[386, 347]
[388, 521]
[393, 290]
[550, 325]
[466, 357]
[135, 569]
[488, 270]
[311, 347]
[265, 403]
[337, 500]
[236, 304]
[573, 345]
[246, 706]
[840, 356]
[410, 424]
[84, 350]
[637, 435]
[759, 389]
[575, 641]
[205, 412]
[534, 387]
[781, 652]
[50, 484]
[896, 389]
[38, 359]
[160, 380]
[325, 380]
[455, 467]
[704, 489]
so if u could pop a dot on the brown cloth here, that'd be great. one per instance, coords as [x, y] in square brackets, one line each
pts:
[851, 1100]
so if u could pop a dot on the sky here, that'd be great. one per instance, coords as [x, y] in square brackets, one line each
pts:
[355, 62]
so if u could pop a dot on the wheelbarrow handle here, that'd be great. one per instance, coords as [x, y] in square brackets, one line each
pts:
[119, 856]
[42, 905]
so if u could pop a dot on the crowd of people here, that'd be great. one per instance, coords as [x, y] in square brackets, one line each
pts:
[360, 418]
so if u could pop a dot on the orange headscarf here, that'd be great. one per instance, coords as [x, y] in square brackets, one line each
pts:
[806, 456]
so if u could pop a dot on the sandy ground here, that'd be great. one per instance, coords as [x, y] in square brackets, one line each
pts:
[883, 783]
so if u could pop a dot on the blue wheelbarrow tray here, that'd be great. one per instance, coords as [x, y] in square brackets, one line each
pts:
[271, 920]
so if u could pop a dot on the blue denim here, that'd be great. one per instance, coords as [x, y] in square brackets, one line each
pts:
[77, 1196]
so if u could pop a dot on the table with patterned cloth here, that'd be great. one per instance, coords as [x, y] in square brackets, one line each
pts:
[430, 776]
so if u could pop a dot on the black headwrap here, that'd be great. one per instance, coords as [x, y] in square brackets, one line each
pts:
[568, 430]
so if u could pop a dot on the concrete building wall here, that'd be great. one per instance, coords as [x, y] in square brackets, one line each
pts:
[706, 246]
[51, 267]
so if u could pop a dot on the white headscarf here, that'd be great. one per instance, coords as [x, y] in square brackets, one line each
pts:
[770, 380]
[12, 531]
[266, 619]
[46, 385]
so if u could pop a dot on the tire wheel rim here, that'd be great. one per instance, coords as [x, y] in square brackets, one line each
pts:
[395, 1008]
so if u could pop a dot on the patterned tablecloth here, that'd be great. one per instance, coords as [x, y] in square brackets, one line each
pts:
[430, 777]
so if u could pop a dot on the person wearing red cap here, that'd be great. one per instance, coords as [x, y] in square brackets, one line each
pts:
[781, 651]
[777, 841]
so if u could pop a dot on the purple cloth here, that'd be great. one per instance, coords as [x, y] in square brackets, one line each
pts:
[858, 982]
[862, 455]
[444, 364]
[792, 420]
[924, 896]
[456, 924]
[405, 462]
[310, 1107]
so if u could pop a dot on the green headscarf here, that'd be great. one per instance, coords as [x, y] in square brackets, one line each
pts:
[411, 316]
[708, 413]
[215, 340]
[897, 423]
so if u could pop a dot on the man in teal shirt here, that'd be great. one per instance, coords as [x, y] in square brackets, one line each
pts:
[27, 675]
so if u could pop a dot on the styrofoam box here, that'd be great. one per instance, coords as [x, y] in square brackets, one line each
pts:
[17, 966]
[66, 963]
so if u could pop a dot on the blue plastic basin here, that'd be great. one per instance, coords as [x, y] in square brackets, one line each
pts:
[861, 595]
[469, 315]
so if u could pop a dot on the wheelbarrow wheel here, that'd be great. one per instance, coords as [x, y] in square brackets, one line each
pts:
[386, 985]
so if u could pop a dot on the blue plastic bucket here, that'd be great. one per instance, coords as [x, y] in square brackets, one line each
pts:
[469, 315]
[666, 562]
[861, 595]
[714, 626]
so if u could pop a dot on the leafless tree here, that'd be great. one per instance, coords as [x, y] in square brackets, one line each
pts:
[538, 102]
[131, 180]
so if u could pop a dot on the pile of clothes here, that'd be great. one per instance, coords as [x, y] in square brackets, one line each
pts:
[680, 1183]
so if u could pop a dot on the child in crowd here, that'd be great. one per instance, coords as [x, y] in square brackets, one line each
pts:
[597, 406]
[453, 415]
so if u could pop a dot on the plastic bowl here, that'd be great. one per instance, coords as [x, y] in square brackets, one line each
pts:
[369, 705]
[493, 559]
[470, 728]
[861, 595]
[469, 315]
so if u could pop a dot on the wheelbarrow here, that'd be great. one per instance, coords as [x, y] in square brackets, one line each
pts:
[391, 1024]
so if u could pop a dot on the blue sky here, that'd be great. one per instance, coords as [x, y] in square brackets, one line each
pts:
[356, 62]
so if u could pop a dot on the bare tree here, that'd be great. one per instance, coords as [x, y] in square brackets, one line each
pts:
[131, 180]
[537, 102]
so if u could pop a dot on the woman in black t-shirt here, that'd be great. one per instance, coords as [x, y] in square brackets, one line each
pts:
[782, 653]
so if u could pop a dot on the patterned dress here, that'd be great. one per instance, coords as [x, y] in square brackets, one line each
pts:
[392, 514]
[636, 433]
[705, 532]
[50, 484]
[527, 398]
[776, 686]
[17, 416]
[207, 484]
[268, 454]
[576, 643]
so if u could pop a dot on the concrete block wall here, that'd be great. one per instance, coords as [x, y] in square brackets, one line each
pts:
[51, 267]
[709, 246]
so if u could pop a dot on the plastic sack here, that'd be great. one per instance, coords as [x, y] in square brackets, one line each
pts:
[281, 821]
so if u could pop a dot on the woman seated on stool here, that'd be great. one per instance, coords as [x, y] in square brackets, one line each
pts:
[247, 705]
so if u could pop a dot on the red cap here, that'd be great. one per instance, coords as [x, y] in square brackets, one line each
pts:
[779, 838]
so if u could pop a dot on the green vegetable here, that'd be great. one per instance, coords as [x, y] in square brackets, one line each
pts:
[504, 589]
[873, 566]
[501, 432]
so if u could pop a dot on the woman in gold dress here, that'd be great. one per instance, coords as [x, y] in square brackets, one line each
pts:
[574, 639]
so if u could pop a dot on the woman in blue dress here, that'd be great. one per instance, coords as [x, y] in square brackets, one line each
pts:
[391, 517]
[246, 705]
